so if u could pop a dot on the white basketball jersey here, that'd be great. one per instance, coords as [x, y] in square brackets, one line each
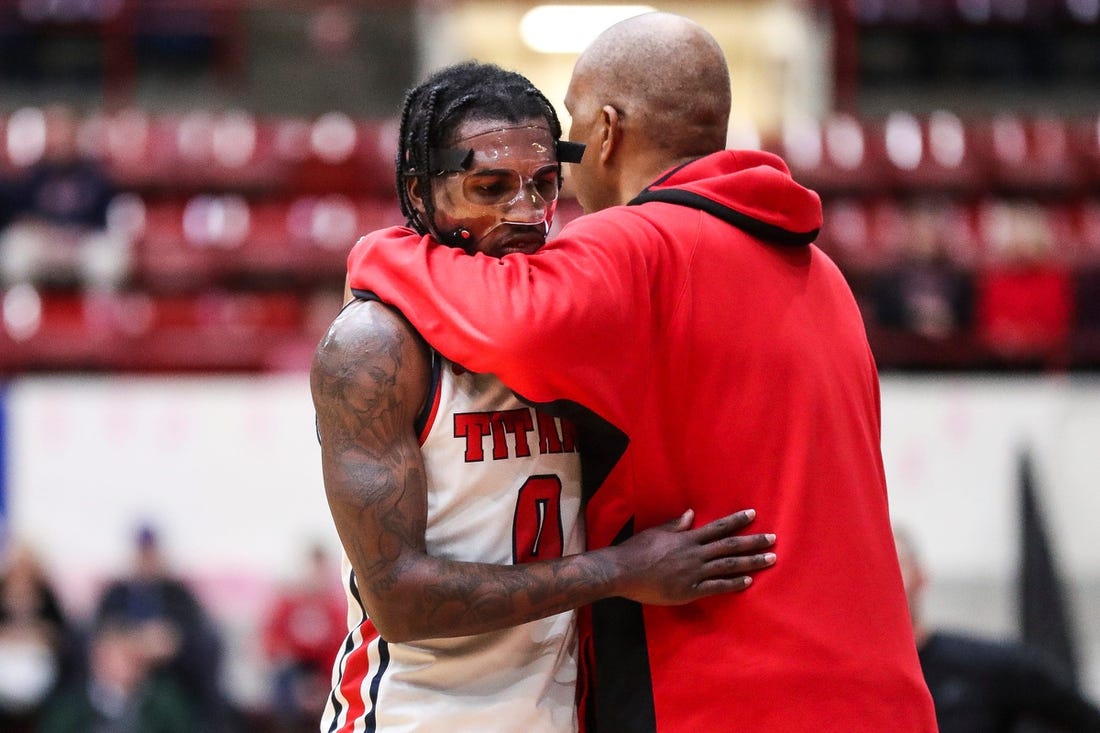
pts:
[504, 488]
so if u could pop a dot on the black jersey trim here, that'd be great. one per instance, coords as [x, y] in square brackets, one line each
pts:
[757, 228]
[365, 295]
[427, 410]
[371, 719]
[600, 443]
[349, 647]
[624, 684]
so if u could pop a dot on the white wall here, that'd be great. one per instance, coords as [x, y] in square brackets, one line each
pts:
[229, 469]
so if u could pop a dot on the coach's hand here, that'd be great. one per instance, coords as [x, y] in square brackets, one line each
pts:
[673, 564]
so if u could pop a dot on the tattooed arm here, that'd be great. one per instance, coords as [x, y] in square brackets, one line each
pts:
[369, 378]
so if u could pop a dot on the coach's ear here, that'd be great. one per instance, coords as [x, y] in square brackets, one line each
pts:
[610, 132]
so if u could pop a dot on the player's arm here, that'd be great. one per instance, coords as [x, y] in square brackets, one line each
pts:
[369, 379]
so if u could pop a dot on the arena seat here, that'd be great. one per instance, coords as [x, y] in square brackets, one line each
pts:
[931, 153]
[330, 160]
[1085, 216]
[1028, 154]
[228, 151]
[842, 155]
[140, 151]
[163, 260]
[198, 331]
[220, 238]
[192, 152]
[1084, 140]
[859, 233]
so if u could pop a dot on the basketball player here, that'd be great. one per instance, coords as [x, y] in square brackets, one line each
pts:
[458, 505]
[721, 355]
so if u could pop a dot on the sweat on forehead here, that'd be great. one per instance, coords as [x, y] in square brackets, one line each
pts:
[526, 142]
[472, 128]
[538, 137]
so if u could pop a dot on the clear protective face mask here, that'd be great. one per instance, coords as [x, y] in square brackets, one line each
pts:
[510, 175]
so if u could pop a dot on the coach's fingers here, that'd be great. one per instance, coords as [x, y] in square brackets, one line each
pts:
[724, 526]
[682, 522]
[740, 565]
[738, 545]
[715, 586]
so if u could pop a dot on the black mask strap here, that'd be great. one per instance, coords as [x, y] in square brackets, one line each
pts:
[569, 152]
[456, 160]
[449, 160]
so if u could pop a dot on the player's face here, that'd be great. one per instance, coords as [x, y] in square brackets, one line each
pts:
[507, 195]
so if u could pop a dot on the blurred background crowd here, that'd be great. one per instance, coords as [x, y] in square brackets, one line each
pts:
[181, 180]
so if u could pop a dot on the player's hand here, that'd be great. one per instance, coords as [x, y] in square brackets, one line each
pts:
[673, 564]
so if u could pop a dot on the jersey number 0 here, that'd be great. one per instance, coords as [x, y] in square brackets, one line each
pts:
[536, 527]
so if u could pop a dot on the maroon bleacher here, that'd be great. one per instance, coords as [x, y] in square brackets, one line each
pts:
[264, 210]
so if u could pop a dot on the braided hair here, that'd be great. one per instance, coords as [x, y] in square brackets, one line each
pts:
[433, 110]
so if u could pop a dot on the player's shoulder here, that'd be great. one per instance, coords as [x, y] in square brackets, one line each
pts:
[369, 334]
[367, 324]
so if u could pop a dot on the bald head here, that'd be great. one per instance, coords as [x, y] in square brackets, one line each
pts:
[668, 76]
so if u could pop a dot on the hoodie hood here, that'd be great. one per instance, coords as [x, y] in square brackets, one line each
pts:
[750, 189]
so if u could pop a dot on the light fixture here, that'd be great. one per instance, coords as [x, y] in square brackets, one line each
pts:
[570, 28]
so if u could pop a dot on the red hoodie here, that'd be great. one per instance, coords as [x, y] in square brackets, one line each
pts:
[725, 364]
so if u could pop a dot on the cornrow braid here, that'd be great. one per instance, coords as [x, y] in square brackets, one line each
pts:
[423, 155]
[433, 110]
[400, 164]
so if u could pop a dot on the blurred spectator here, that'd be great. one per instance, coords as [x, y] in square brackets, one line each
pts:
[34, 638]
[985, 685]
[926, 293]
[120, 691]
[177, 636]
[304, 628]
[1024, 297]
[57, 208]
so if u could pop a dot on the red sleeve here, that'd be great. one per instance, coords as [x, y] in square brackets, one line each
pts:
[569, 322]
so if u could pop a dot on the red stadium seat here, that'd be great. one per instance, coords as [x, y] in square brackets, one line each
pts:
[163, 258]
[1029, 153]
[1084, 140]
[842, 155]
[331, 161]
[139, 151]
[863, 234]
[1085, 217]
[931, 153]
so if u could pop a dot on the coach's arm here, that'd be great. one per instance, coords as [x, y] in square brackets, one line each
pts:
[369, 378]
